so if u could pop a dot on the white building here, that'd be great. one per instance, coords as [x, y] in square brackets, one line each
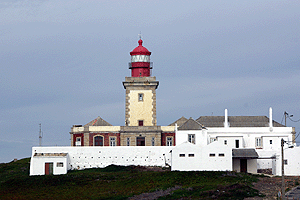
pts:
[238, 132]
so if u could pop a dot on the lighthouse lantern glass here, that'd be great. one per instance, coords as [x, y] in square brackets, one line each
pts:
[140, 58]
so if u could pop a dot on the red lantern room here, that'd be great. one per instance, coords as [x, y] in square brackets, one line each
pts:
[140, 61]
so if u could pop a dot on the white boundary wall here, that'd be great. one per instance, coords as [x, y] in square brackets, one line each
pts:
[212, 157]
[292, 168]
[99, 157]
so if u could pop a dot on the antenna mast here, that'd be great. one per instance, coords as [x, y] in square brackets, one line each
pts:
[40, 135]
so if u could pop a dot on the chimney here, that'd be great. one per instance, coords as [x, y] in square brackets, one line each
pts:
[270, 119]
[226, 124]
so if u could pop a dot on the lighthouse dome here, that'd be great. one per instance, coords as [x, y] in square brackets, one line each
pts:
[140, 50]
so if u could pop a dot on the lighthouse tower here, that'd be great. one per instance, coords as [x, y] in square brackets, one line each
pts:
[140, 105]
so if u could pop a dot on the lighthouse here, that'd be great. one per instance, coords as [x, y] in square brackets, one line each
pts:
[140, 98]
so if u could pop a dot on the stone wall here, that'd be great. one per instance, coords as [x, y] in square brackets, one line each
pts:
[132, 132]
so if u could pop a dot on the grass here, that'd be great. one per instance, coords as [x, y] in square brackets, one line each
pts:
[118, 182]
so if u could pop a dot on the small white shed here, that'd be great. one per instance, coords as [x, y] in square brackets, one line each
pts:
[49, 163]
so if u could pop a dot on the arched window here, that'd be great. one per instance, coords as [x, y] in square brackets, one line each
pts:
[98, 140]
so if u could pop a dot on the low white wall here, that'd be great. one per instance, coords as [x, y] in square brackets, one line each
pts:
[236, 165]
[217, 163]
[292, 168]
[99, 157]
[202, 161]
[186, 162]
[252, 166]
[265, 163]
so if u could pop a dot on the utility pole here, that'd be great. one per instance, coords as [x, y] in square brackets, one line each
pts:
[282, 171]
[285, 115]
[40, 135]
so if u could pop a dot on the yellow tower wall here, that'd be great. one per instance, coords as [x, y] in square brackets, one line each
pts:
[141, 110]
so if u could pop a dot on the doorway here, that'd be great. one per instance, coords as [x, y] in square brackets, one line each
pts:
[140, 141]
[48, 168]
[243, 165]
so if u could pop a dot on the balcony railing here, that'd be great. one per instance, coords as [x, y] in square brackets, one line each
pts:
[130, 65]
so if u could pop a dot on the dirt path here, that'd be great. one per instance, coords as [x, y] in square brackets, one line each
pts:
[270, 186]
[154, 195]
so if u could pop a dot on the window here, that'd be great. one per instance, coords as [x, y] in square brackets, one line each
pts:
[60, 164]
[225, 142]
[141, 123]
[141, 97]
[169, 141]
[112, 141]
[78, 141]
[221, 154]
[271, 141]
[182, 155]
[191, 138]
[258, 142]
[153, 141]
[191, 155]
[237, 144]
[128, 141]
[98, 140]
[212, 140]
[212, 155]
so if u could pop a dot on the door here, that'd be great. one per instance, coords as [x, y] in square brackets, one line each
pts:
[140, 141]
[48, 168]
[243, 165]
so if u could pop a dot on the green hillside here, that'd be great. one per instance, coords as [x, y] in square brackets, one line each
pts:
[117, 182]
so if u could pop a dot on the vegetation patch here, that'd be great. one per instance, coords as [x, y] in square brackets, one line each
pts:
[119, 182]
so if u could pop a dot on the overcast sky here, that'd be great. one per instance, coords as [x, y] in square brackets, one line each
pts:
[63, 62]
